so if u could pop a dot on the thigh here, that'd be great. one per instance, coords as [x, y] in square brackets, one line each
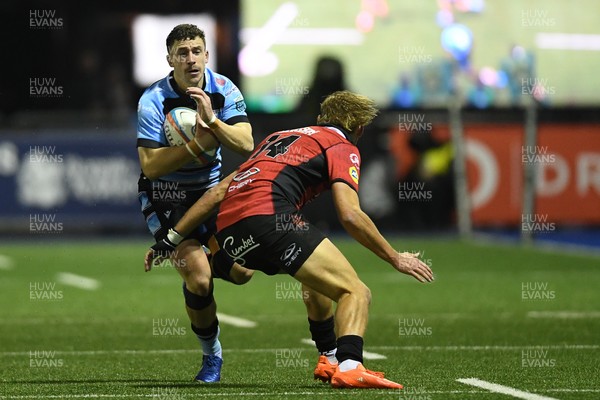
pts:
[328, 272]
[190, 260]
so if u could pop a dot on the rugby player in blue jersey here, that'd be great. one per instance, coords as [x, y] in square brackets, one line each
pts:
[171, 180]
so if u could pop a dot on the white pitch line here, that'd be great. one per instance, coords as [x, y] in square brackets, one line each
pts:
[78, 281]
[564, 314]
[6, 263]
[273, 350]
[494, 387]
[367, 355]
[158, 396]
[236, 321]
[254, 394]
[487, 348]
[314, 394]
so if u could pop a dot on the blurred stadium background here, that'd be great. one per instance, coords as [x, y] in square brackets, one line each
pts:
[485, 72]
[489, 128]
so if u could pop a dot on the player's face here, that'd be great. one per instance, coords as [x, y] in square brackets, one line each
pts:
[188, 59]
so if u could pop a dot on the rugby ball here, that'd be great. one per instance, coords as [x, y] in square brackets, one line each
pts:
[180, 127]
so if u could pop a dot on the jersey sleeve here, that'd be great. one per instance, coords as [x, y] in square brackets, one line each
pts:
[149, 125]
[343, 164]
[234, 110]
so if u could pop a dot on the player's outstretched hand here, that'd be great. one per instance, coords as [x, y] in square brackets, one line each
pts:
[158, 253]
[410, 264]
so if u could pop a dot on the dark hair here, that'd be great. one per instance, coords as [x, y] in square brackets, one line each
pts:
[183, 32]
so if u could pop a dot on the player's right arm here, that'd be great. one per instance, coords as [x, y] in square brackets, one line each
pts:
[363, 230]
[157, 158]
[156, 162]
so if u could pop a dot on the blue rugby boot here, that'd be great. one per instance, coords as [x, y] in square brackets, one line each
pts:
[211, 369]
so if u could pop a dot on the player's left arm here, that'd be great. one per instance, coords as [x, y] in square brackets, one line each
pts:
[358, 224]
[343, 162]
[237, 137]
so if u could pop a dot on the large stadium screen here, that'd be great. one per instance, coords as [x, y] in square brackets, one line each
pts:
[405, 53]
[149, 33]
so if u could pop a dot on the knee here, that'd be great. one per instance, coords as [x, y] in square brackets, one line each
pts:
[357, 290]
[199, 284]
[362, 292]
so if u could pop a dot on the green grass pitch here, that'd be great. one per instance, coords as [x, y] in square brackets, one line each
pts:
[514, 316]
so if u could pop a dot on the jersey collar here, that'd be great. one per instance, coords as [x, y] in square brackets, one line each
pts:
[339, 130]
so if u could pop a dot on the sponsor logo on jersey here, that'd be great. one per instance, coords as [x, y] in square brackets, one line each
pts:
[240, 106]
[238, 250]
[353, 174]
[220, 81]
[239, 185]
[290, 254]
[354, 159]
[246, 174]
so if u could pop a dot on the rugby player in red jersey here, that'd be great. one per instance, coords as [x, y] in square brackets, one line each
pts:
[287, 170]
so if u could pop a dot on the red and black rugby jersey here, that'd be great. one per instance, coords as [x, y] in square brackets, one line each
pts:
[287, 170]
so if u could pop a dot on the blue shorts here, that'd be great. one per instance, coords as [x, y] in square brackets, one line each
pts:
[164, 204]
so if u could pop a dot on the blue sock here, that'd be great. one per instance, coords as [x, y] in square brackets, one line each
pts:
[209, 339]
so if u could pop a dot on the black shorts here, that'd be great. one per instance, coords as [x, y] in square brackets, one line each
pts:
[270, 243]
[164, 204]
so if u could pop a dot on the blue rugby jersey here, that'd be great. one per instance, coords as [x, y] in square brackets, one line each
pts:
[163, 96]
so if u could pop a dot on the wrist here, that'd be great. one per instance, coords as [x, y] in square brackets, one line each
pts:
[198, 144]
[174, 237]
[213, 120]
[194, 148]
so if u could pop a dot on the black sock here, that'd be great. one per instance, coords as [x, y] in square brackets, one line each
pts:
[209, 332]
[323, 334]
[349, 347]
